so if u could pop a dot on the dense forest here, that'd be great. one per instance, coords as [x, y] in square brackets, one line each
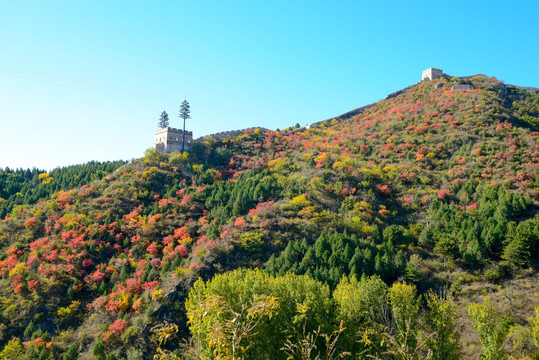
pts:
[407, 231]
[28, 187]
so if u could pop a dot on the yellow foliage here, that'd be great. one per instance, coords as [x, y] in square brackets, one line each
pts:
[74, 306]
[186, 240]
[19, 269]
[367, 229]
[535, 327]
[179, 272]
[308, 211]
[198, 168]
[157, 295]
[45, 178]
[316, 183]
[300, 201]
[276, 164]
[123, 301]
[63, 312]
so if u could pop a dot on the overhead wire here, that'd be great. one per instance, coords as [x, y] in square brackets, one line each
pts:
[80, 84]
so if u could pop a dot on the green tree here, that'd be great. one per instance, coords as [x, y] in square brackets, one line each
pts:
[185, 113]
[535, 329]
[230, 332]
[72, 353]
[30, 328]
[233, 294]
[519, 242]
[412, 272]
[99, 350]
[443, 339]
[12, 350]
[492, 331]
[405, 305]
[446, 248]
[163, 120]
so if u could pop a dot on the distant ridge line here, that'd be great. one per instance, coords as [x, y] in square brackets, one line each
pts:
[231, 133]
[360, 110]
[345, 116]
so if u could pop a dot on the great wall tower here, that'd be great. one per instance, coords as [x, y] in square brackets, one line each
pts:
[169, 139]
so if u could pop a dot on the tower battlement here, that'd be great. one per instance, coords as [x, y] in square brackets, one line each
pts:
[431, 74]
[169, 139]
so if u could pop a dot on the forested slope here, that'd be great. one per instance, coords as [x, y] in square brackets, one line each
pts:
[434, 187]
[27, 187]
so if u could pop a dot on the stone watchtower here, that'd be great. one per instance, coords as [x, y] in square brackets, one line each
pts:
[168, 140]
[431, 74]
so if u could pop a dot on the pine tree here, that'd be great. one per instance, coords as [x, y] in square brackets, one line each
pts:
[163, 120]
[99, 350]
[72, 353]
[185, 112]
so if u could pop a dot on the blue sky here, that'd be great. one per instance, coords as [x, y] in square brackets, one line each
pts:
[87, 80]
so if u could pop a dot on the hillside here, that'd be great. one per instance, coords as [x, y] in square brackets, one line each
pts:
[27, 187]
[433, 186]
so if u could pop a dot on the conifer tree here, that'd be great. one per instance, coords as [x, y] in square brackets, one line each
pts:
[185, 112]
[163, 120]
[72, 353]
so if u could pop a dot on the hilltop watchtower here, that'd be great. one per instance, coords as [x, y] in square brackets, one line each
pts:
[431, 74]
[169, 139]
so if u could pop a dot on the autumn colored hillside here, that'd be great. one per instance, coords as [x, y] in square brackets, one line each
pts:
[433, 191]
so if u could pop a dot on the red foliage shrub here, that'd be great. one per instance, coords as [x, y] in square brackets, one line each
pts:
[181, 233]
[16, 283]
[156, 263]
[167, 240]
[182, 250]
[472, 206]
[152, 249]
[32, 285]
[88, 264]
[117, 328]
[240, 223]
[97, 276]
[442, 193]
[53, 256]
[98, 303]
[133, 286]
[262, 208]
[32, 223]
[383, 190]
[63, 200]
[150, 285]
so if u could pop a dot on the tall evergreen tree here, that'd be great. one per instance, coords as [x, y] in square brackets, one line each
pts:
[185, 113]
[163, 120]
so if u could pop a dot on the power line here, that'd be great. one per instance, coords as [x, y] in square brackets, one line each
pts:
[80, 85]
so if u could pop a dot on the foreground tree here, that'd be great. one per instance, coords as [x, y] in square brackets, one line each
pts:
[492, 332]
[249, 314]
[442, 316]
[163, 120]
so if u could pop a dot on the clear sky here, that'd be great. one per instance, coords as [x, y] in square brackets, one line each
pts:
[87, 80]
